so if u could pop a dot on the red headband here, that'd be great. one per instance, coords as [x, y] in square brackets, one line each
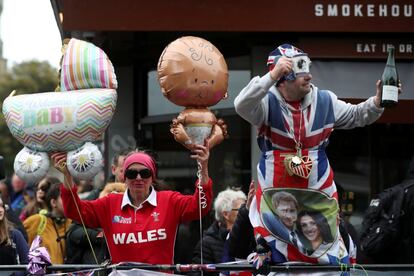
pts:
[143, 159]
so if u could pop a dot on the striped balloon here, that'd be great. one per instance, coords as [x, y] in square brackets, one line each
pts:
[60, 121]
[85, 66]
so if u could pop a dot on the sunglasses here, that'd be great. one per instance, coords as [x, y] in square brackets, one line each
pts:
[44, 189]
[132, 174]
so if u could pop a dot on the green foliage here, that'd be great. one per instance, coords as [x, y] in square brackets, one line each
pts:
[26, 77]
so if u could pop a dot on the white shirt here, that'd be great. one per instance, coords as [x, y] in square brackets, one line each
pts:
[151, 199]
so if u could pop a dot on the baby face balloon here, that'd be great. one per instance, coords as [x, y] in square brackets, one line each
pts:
[193, 73]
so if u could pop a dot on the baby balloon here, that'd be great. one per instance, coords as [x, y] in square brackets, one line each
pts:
[68, 120]
[193, 73]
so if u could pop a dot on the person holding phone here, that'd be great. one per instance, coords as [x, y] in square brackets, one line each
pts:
[141, 224]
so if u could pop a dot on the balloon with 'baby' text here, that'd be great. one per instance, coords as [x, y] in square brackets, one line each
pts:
[68, 120]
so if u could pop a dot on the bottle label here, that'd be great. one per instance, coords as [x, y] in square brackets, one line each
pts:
[390, 92]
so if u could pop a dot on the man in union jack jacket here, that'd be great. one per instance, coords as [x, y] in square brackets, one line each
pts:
[294, 120]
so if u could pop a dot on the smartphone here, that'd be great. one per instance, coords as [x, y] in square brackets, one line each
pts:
[2, 168]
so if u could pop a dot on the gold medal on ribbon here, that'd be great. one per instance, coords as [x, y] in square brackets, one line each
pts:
[299, 166]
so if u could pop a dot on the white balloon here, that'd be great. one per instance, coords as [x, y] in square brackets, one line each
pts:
[31, 166]
[85, 162]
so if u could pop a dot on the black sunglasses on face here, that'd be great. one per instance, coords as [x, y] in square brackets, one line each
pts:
[132, 174]
[44, 189]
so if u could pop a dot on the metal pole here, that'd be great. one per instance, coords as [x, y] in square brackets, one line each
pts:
[219, 267]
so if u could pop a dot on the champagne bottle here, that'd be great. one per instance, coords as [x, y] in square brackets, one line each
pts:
[389, 81]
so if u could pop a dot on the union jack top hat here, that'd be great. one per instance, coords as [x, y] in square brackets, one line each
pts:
[286, 50]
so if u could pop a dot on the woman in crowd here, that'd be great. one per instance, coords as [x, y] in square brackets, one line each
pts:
[13, 247]
[39, 203]
[51, 225]
[141, 224]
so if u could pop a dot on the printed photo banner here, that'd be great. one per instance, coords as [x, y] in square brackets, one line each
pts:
[306, 219]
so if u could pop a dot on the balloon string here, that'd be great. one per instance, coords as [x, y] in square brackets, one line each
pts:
[201, 193]
[202, 203]
[84, 227]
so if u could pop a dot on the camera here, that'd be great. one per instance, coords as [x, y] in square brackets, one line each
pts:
[301, 64]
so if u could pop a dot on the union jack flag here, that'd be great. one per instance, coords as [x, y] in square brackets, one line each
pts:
[286, 125]
[286, 50]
